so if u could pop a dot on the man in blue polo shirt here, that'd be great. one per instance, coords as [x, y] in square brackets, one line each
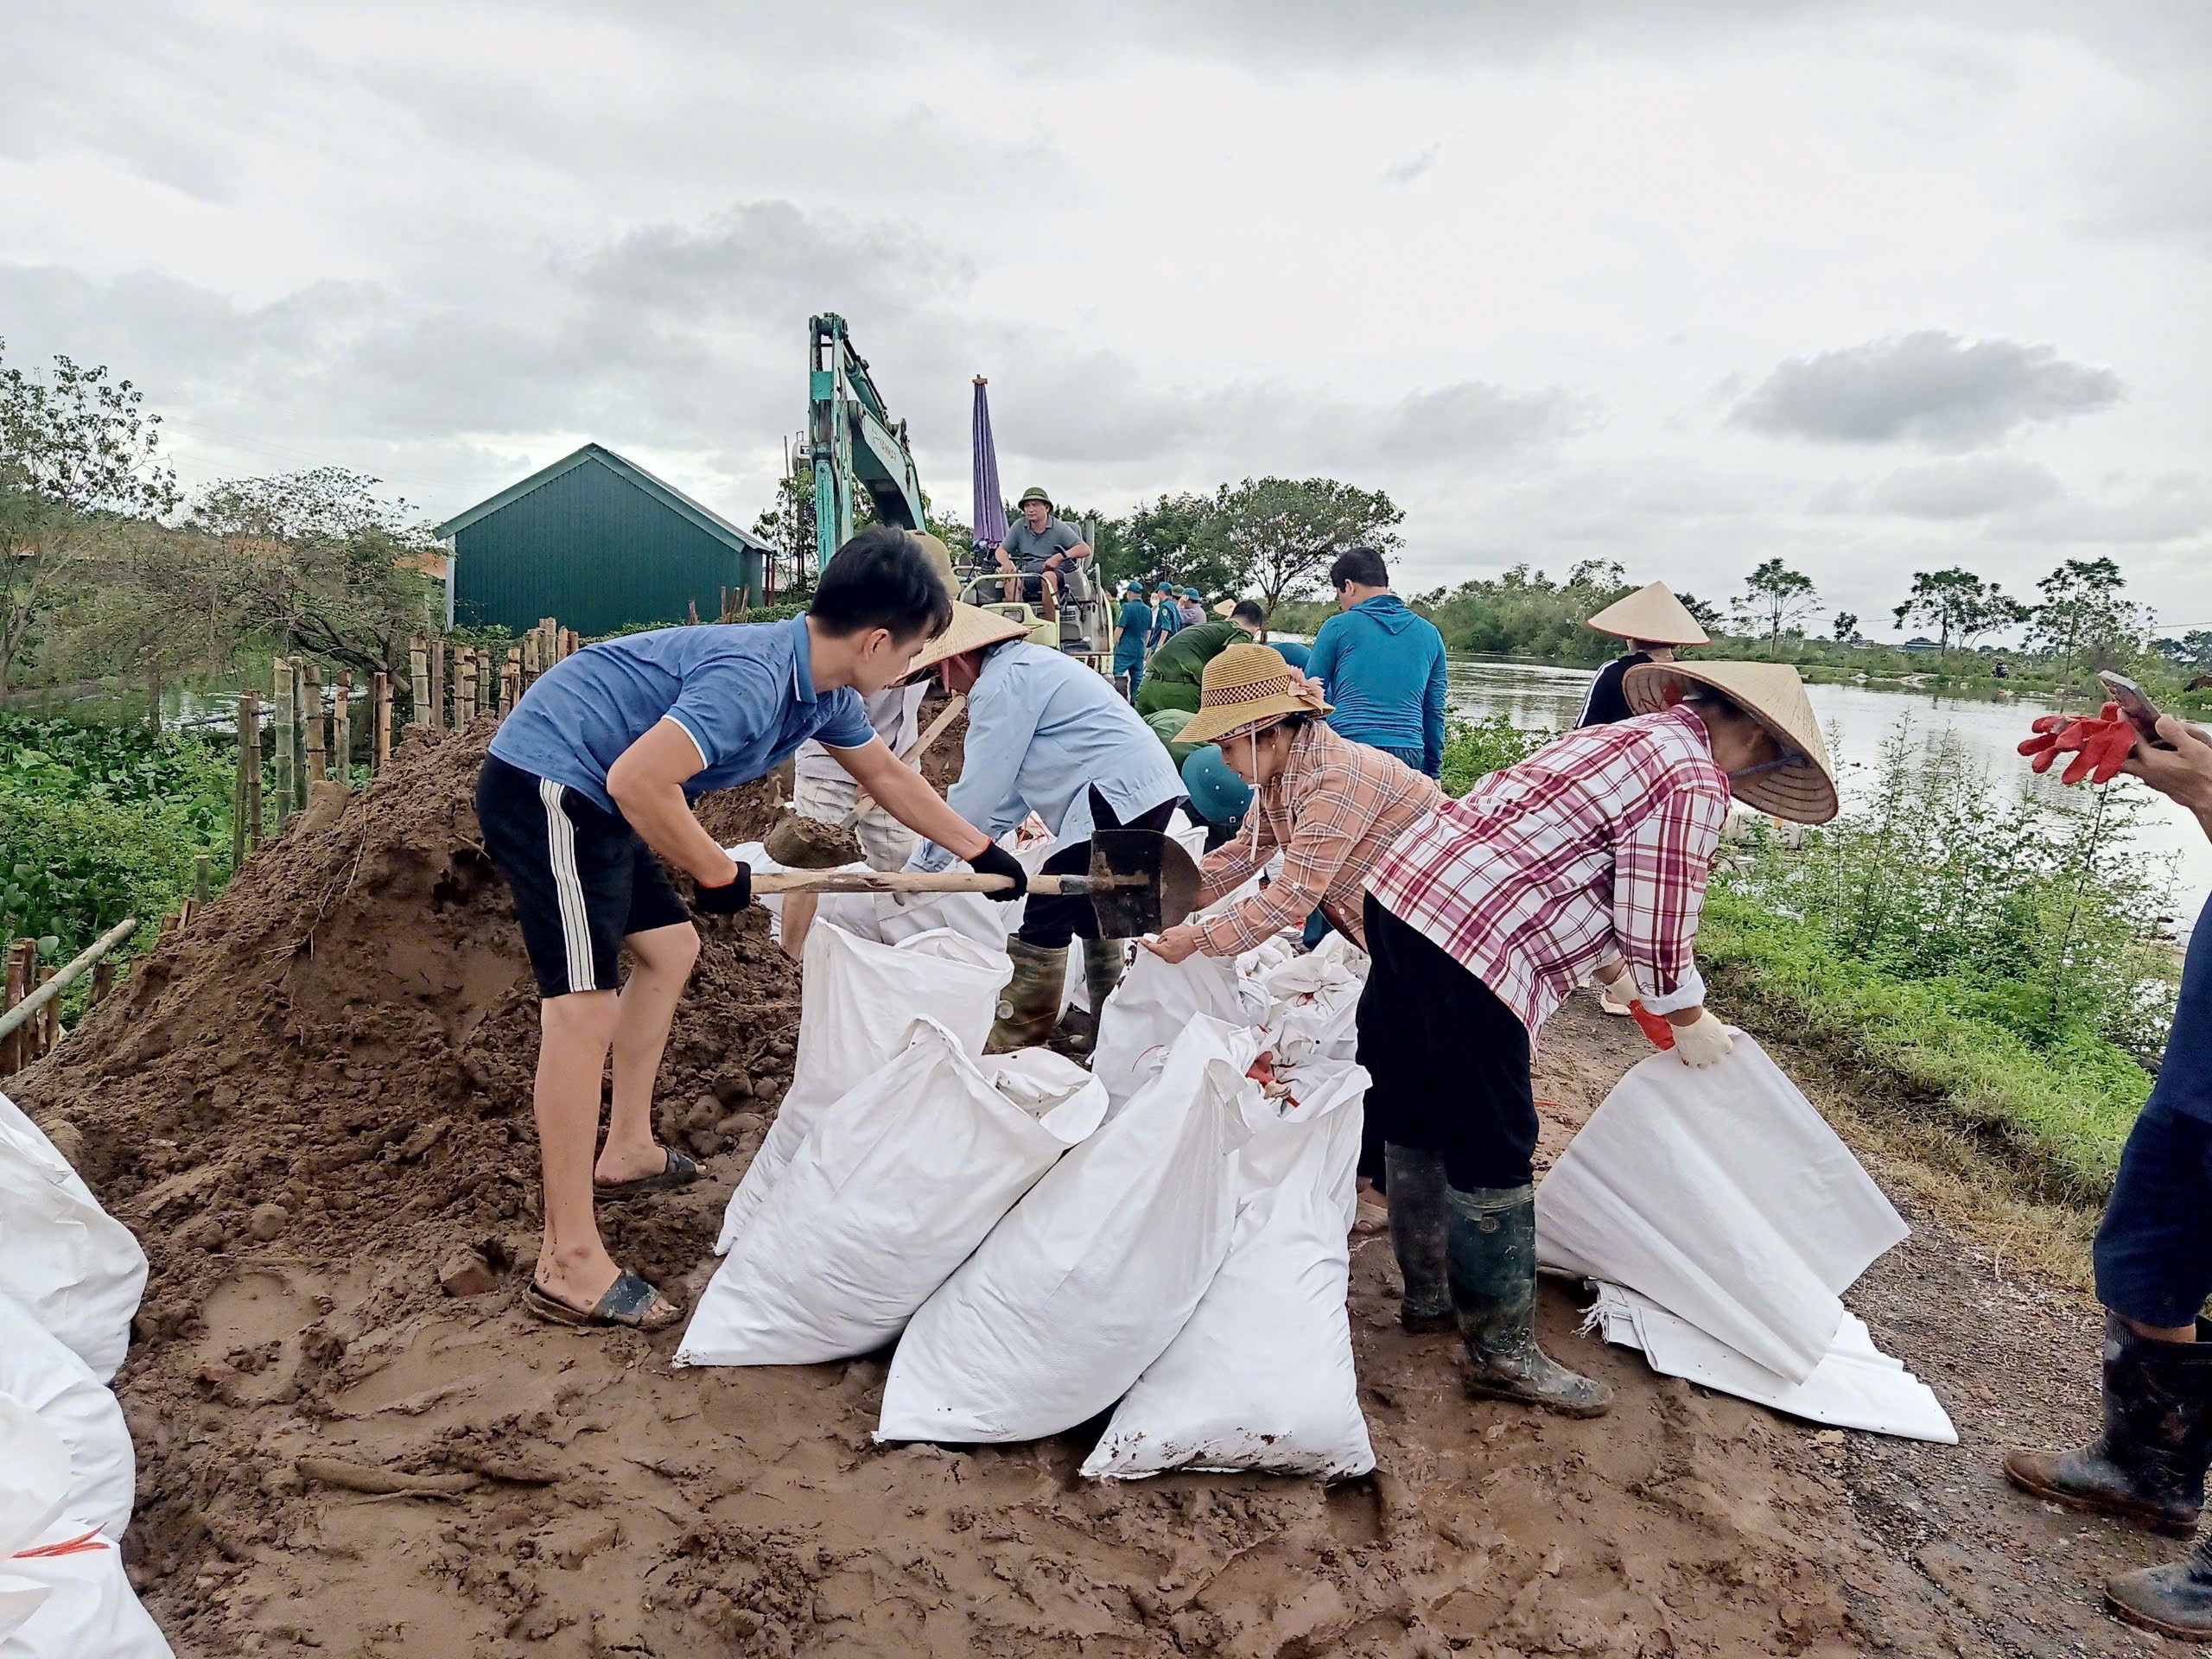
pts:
[592, 775]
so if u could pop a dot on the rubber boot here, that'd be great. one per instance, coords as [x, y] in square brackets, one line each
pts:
[1491, 1266]
[1421, 1225]
[1030, 1006]
[1104, 963]
[2148, 1466]
[2175, 1600]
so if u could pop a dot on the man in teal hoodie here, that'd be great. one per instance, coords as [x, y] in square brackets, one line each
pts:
[1382, 665]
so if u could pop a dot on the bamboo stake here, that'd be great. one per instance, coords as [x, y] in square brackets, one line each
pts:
[203, 878]
[341, 729]
[380, 749]
[418, 678]
[511, 681]
[55, 984]
[250, 722]
[45, 1028]
[282, 734]
[311, 706]
[694, 605]
[464, 702]
[239, 792]
[435, 720]
[103, 981]
[18, 974]
[530, 654]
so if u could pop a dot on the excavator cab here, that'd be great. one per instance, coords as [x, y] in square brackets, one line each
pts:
[1083, 626]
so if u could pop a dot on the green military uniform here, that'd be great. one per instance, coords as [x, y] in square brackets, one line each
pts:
[1171, 681]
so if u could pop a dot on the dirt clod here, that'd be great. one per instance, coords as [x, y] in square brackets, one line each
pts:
[267, 1222]
[466, 1275]
[811, 844]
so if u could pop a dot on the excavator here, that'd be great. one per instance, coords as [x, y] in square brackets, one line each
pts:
[855, 445]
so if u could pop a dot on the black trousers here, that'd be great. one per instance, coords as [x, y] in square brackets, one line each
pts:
[1450, 1062]
[1052, 922]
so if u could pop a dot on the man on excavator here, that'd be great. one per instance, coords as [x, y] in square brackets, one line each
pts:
[1035, 550]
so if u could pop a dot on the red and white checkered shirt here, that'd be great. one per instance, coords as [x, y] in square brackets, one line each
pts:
[1334, 809]
[1596, 843]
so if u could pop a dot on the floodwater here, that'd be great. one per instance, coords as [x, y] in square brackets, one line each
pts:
[1857, 719]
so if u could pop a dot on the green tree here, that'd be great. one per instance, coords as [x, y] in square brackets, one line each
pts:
[2082, 617]
[1281, 534]
[1959, 605]
[1175, 538]
[1775, 597]
[79, 457]
[1844, 628]
[320, 562]
[2193, 650]
[1705, 613]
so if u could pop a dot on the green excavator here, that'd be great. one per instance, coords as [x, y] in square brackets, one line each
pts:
[855, 445]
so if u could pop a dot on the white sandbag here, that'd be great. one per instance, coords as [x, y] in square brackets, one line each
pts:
[34, 1487]
[898, 1183]
[80, 1604]
[1856, 1385]
[1087, 1279]
[36, 1369]
[1314, 1002]
[857, 1000]
[1262, 1377]
[77, 1268]
[1156, 1001]
[1723, 1196]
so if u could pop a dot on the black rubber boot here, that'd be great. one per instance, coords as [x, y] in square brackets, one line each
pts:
[2175, 1600]
[1491, 1266]
[1420, 1226]
[1104, 961]
[2148, 1466]
[1030, 1006]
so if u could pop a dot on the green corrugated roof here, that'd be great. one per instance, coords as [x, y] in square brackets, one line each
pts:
[667, 494]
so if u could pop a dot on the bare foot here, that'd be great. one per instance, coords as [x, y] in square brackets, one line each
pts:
[579, 1280]
[628, 1162]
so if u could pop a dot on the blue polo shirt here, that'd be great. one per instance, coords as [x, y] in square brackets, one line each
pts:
[2185, 1082]
[743, 692]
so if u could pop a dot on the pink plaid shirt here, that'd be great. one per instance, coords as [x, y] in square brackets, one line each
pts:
[1599, 843]
[1334, 809]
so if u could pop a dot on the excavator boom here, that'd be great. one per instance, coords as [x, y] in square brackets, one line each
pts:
[852, 440]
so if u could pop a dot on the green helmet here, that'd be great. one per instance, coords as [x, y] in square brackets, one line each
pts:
[1032, 493]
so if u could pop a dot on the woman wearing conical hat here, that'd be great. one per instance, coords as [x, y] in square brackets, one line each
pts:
[1653, 622]
[1592, 854]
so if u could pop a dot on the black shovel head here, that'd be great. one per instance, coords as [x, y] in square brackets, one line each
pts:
[1164, 889]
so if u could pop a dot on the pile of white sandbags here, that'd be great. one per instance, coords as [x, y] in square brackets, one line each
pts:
[1167, 1231]
[70, 1279]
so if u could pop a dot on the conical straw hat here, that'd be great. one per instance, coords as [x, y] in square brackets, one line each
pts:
[1652, 613]
[972, 628]
[1245, 686]
[1771, 693]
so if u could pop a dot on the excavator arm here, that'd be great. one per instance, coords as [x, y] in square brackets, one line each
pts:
[852, 441]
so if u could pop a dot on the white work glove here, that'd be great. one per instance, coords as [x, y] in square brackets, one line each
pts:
[1703, 1042]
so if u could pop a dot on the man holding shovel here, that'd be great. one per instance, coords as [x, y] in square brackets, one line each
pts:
[1048, 735]
[591, 776]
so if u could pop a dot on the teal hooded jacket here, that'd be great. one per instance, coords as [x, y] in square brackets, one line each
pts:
[1383, 669]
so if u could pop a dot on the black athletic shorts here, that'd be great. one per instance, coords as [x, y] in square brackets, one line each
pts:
[582, 879]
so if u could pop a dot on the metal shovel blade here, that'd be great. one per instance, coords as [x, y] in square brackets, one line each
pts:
[1155, 883]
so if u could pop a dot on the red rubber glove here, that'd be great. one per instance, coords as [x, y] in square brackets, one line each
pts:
[2098, 744]
[1662, 1034]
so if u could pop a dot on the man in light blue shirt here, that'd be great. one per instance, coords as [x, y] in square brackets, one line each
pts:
[1049, 735]
[591, 776]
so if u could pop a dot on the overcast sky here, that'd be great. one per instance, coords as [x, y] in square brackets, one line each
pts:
[1876, 288]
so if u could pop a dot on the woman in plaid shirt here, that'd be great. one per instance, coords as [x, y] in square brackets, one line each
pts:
[1333, 806]
[1591, 855]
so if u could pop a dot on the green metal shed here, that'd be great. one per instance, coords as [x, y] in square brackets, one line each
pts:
[600, 543]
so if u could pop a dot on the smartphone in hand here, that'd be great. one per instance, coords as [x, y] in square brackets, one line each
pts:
[2141, 712]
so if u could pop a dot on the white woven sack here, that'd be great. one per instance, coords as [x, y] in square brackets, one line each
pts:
[36, 1369]
[1157, 1000]
[1262, 1377]
[34, 1487]
[1089, 1278]
[856, 1000]
[898, 1183]
[80, 1604]
[77, 1268]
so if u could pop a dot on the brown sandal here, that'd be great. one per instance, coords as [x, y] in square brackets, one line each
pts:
[630, 1303]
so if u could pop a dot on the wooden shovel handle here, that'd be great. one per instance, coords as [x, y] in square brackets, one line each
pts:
[769, 885]
[911, 755]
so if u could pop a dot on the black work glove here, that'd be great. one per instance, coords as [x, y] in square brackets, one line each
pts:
[719, 904]
[994, 860]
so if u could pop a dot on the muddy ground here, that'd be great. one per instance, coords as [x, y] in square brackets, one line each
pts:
[346, 1036]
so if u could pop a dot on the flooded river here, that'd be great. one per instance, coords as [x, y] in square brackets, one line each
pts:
[1536, 696]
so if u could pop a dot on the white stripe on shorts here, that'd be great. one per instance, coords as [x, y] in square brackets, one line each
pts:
[561, 854]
